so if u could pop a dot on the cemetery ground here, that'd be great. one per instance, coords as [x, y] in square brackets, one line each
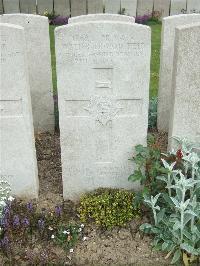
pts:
[53, 232]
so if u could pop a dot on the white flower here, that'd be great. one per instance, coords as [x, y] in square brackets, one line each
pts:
[82, 225]
[11, 198]
[65, 232]
[80, 229]
[52, 236]
[84, 238]
[71, 250]
[50, 228]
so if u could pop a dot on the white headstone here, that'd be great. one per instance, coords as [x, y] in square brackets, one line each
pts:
[112, 6]
[78, 7]
[62, 7]
[144, 7]
[166, 65]
[95, 6]
[193, 6]
[185, 114]
[28, 6]
[98, 17]
[11, 6]
[103, 106]
[17, 154]
[129, 7]
[163, 7]
[44, 6]
[39, 64]
[178, 7]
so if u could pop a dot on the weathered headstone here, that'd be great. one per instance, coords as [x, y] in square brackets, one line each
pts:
[103, 106]
[62, 7]
[11, 6]
[185, 114]
[78, 7]
[112, 6]
[193, 6]
[163, 7]
[28, 6]
[129, 7]
[178, 7]
[17, 154]
[95, 6]
[98, 17]
[144, 7]
[166, 65]
[39, 65]
[44, 6]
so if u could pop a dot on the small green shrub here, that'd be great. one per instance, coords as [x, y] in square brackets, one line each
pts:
[153, 112]
[108, 207]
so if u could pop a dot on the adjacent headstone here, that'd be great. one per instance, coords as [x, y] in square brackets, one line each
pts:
[78, 7]
[98, 17]
[129, 7]
[95, 6]
[112, 6]
[62, 7]
[193, 6]
[163, 7]
[178, 7]
[39, 65]
[11, 6]
[144, 7]
[44, 6]
[17, 154]
[166, 65]
[28, 6]
[185, 114]
[103, 106]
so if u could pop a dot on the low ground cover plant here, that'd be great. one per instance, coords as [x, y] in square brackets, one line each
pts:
[108, 207]
[176, 207]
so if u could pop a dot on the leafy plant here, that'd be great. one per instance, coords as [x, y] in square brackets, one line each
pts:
[148, 166]
[108, 207]
[176, 225]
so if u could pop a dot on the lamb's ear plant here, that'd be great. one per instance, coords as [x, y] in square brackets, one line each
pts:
[176, 224]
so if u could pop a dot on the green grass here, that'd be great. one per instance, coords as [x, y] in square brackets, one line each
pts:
[155, 57]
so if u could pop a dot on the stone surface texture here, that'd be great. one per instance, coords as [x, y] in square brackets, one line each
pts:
[130, 7]
[11, 6]
[112, 6]
[17, 149]
[144, 7]
[39, 65]
[166, 65]
[28, 6]
[193, 6]
[78, 7]
[163, 6]
[101, 17]
[62, 7]
[95, 6]
[178, 7]
[185, 114]
[103, 71]
[44, 6]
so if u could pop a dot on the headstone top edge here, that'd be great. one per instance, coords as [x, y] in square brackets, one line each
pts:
[24, 15]
[180, 16]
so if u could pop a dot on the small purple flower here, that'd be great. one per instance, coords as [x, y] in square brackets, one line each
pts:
[58, 210]
[59, 20]
[25, 222]
[30, 206]
[16, 221]
[4, 242]
[41, 224]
